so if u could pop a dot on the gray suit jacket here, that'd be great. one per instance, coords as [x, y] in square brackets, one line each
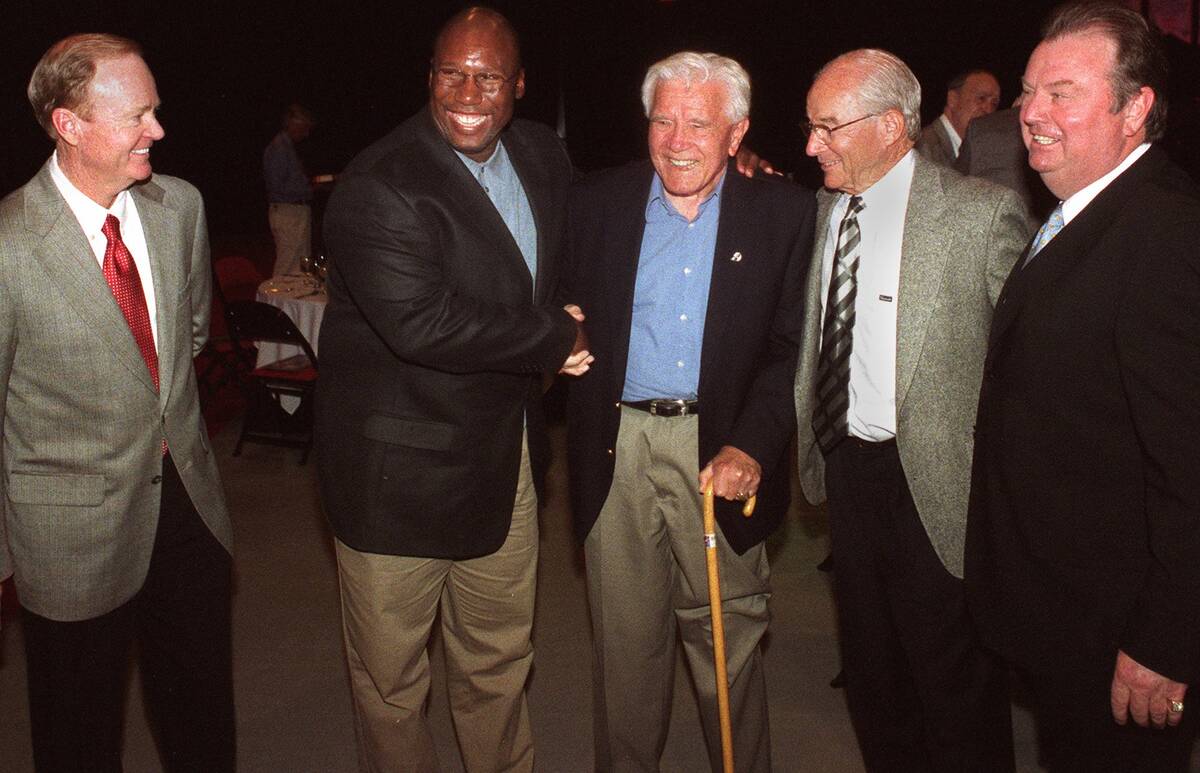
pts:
[962, 236]
[935, 143]
[81, 461]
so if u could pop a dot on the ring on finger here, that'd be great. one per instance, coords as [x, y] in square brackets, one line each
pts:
[1176, 707]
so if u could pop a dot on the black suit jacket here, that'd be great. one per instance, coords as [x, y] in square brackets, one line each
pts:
[1084, 527]
[751, 333]
[433, 343]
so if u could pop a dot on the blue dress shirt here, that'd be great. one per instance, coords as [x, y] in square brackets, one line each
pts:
[501, 184]
[670, 298]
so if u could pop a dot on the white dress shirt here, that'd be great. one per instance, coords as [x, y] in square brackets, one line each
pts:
[91, 217]
[1081, 198]
[955, 140]
[872, 414]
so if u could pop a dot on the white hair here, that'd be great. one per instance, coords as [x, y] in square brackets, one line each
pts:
[887, 84]
[694, 67]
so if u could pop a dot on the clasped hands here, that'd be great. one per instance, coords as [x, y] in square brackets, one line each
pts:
[579, 359]
[733, 473]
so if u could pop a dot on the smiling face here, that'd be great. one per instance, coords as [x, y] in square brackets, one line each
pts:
[1067, 120]
[469, 119]
[104, 145]
[857, 155]
[691, 139]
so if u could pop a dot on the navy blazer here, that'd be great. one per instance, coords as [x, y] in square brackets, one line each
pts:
[434, 342]
[751, 333]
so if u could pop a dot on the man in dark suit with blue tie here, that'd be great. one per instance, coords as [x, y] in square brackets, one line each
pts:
[1083, 539]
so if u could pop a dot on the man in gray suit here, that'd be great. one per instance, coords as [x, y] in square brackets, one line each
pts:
[908, 260]
[969, 95]
[114, 522]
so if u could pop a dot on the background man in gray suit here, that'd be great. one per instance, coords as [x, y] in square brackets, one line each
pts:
[969, 95]
[908, 260]
[114, 522]
[993, 149]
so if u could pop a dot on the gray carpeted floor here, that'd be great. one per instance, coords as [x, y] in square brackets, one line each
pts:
[292, 698]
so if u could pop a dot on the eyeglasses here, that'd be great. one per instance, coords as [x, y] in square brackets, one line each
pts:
[488, 82]
[825, 133]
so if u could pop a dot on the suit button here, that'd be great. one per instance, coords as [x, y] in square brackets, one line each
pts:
[156, 480]
[610, 452]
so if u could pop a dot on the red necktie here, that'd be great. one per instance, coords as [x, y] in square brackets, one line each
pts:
[122, 277]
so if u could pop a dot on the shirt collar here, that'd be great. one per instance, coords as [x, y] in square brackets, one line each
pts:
[955, 140]
[91, 216]
[664, 208]
[497, 161]
[1075, 203]
[893, 186]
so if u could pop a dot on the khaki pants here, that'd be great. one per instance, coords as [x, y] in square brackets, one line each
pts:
[291, 228]
[389, 604]
[647, 579]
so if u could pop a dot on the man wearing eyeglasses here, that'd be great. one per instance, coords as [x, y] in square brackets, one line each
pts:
[444, 237]
[908, 261]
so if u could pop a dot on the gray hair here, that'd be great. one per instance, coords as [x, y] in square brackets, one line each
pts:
[694, 67]
[887, 84]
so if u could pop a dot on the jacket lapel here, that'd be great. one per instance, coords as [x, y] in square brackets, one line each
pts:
[1073, 240]
[923, 257]
[811, 345]
[477, 210]
[68, 260]
[734, 247]
[626, 217]
[537, 187]
[161, 227]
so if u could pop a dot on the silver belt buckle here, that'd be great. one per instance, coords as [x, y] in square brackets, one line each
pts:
[678, 403]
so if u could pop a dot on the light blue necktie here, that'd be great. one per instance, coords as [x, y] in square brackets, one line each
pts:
[1048, 231]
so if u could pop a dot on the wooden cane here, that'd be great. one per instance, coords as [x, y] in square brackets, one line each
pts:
[718, 622]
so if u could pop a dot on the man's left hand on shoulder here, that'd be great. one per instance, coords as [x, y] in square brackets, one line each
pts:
[733, 473]
[1147, 695]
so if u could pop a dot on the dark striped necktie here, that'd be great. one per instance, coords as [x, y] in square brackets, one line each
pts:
[830, 421]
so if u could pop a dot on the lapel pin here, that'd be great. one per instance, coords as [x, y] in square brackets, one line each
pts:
[736, 258]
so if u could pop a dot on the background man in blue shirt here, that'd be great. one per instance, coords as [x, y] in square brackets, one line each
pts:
[289, 191]
[692, 280]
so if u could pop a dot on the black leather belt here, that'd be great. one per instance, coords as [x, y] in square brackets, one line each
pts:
[665, 407]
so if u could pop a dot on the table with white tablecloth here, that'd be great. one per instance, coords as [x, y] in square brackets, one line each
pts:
[303, 299]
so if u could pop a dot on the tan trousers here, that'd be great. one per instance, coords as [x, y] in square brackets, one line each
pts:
[389, 604]
[291, 228]
[647, 579]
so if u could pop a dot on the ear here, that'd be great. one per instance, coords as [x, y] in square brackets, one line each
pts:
[67, 124]
[892, 124]
[1137, 110]
[519, 86]
[736, 133]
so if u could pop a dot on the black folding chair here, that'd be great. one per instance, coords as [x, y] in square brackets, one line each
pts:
[267, 421]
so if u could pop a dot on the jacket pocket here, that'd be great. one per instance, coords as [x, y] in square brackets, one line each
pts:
[54, 489]
[401, 431]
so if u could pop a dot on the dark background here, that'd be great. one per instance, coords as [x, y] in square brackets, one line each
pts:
[225, 70]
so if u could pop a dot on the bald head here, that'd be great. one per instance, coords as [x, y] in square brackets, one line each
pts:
[475, 77]
[476, 21]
